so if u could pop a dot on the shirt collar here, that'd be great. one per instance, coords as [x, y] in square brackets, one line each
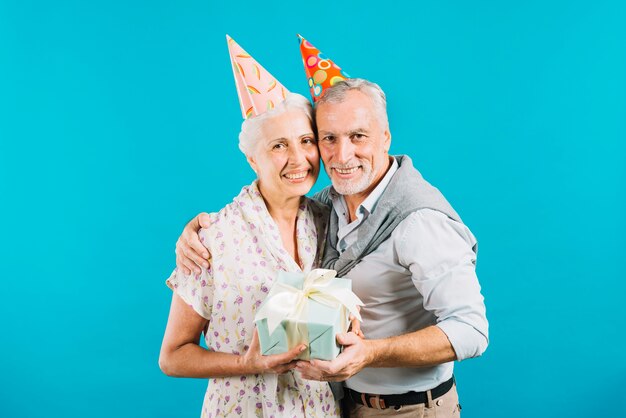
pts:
[369, 204]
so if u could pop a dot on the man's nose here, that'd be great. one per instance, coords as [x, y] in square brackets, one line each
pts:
[344, 151]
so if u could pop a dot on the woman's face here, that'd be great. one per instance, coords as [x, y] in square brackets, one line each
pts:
[286, 158]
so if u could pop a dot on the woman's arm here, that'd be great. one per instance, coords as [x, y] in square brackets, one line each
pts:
[182, 356]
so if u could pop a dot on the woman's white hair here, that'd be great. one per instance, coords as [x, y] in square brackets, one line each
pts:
[251, 128]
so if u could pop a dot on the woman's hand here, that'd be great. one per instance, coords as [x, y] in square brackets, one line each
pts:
[254, 362]
[190, 253]
[182, 356]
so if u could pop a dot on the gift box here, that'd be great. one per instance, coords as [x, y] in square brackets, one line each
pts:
[310, 308]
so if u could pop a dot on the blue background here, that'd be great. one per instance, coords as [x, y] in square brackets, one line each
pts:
[118, 123]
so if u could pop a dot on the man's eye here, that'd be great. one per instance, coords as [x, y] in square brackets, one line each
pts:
[328, 138]
[279, 146]
[308, 140]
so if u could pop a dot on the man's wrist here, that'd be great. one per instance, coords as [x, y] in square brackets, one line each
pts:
[373, 350]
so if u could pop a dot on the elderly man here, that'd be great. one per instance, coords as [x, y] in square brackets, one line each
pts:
[410, 258]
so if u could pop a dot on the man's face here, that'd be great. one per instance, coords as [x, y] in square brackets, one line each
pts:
[353, 143]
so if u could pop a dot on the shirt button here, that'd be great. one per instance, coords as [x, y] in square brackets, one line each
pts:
[439, 402]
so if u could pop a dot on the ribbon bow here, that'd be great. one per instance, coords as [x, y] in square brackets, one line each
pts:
[288, 302]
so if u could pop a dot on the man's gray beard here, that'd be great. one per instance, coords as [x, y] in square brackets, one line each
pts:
[347, 187]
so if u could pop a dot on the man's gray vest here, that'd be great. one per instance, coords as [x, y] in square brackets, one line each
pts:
[406, 193]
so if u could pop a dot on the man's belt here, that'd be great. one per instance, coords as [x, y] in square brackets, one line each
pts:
[409, 398]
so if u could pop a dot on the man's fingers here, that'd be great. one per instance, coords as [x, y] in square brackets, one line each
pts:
[355, 326]
[307, 372]
[182, 259]
[327, 367]
[191, 254]
[310, 373]
[194, 223]
[283, 368]
[307, 376]
[190, 265]
[188, 244]
[197, 246]
[331, 371]
[187, 265]
[204, 220]
[347, 338]
[181, 266]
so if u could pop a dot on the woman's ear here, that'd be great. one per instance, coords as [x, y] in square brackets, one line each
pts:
[252, 163]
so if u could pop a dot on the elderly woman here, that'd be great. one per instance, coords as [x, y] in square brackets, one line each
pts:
[269, 227]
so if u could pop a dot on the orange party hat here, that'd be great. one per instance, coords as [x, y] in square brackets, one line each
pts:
[321, 72]
[257, 89]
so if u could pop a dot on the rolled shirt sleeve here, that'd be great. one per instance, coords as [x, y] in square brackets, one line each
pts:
[439, 253]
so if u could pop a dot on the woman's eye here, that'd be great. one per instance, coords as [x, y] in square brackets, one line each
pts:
[308, 140]
[278, 146]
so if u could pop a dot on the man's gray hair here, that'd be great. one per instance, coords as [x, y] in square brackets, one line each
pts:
[337, 94]
[251, 127]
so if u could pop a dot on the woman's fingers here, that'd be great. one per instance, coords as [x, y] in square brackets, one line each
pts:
[275, 363]
[287, 356]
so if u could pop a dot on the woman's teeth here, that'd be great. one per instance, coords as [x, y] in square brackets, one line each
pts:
[297, 176]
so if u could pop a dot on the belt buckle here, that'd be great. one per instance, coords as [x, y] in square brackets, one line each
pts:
[374, 401]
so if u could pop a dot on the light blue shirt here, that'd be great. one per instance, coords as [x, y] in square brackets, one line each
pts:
[364, 209]
[423, 275]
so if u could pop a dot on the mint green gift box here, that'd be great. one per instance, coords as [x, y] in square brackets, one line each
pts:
[316, 325]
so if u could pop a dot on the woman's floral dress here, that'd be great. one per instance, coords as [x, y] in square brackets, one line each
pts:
[247, 251]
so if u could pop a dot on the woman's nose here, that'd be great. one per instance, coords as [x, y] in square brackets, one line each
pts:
[296, 154]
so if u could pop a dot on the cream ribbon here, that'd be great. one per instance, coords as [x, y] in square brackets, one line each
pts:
[286, 302]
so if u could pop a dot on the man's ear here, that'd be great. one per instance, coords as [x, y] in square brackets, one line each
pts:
[387, 135]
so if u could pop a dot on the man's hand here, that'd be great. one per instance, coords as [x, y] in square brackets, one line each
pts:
[190, 253]
[254, 362]
[357, 354]
[355, 324]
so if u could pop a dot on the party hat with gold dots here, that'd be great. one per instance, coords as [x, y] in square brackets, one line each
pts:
[321, 72]
[257, 89]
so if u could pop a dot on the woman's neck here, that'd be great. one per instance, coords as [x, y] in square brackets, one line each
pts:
[283, 210]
